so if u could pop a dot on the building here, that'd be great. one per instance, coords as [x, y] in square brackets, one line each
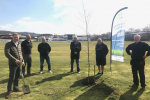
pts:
[82, 38]
[49, 37]
[69, 37]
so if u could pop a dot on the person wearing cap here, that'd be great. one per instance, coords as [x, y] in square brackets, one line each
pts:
[138, 60]
[75, 48]
[101, 52]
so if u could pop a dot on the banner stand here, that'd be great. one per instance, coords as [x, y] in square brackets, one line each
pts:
[116, 53]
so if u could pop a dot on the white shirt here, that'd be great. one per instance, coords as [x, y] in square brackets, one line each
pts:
[16, 44]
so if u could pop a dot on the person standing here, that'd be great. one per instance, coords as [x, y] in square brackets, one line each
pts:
[13, 53]
[138, 60]
[75, 48]
[101, 52]
[26, 47]
[44, 49]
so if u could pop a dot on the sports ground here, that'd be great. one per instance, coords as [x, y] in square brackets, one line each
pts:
[61, 85]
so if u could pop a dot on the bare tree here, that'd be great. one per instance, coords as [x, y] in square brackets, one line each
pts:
[86, 19]
[147, 29]
[137, 30]
[131, 29]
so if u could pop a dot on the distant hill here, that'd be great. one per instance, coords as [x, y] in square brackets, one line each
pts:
[3, 32]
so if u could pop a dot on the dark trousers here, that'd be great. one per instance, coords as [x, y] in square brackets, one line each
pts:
[14, 73]
[138, 66]
[27, 61]
[42, 62]
[77, 62]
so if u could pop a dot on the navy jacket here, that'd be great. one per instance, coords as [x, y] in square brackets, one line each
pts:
[101, 50]
[75, 48]
[44, 49]
[138, 50]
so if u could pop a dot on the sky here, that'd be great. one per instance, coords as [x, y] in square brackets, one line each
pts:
[66, 16]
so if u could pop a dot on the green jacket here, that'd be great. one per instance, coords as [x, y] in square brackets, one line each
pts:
[12, 53]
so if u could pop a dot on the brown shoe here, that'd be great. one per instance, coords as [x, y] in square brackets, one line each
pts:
[8, 96]
[17, 90]
[133, 85]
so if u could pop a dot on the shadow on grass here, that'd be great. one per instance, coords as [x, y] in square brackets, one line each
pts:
[32, 74]
[99, 92]
[56, 77]
[6, 80]
[3, 95]
[129, 94]
[84, 81]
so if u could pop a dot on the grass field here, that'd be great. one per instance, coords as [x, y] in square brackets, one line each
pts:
[61, 85]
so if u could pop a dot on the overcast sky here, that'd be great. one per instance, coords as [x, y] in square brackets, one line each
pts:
[64, 16]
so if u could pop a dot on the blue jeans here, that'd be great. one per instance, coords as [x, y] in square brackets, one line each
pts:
[42, 62]
[77, 62]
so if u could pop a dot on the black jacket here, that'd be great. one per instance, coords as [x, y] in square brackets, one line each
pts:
[101, 50]
[26, 47]
[138, 50]
[44, 49]
[75, 48]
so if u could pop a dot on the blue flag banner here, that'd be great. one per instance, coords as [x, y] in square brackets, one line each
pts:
[118, 36]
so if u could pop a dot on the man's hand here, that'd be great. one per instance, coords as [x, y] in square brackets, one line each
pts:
[75, 52]
[17, 61]
[22, 64]
[144, 56]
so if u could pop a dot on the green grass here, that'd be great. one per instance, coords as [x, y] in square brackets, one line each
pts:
[117, 52]
[61, 85]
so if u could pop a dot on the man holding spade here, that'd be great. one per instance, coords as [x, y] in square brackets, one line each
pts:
[138, 60]
[15, 59]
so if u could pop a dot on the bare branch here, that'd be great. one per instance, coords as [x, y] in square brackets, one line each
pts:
[79, 19]
[91, 52]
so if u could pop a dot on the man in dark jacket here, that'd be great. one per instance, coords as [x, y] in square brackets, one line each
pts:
[138, 60]
[75, 48]
[101, 52]
[26, 47]
[13, 53]
[44, 50]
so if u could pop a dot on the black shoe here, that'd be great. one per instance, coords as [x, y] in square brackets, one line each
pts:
[29, 74]
[98, 73]
[133, 85]
[143, 89]
[71, 71]
[102, 73]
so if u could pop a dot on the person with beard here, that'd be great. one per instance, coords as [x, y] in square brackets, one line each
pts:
[15, 59]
